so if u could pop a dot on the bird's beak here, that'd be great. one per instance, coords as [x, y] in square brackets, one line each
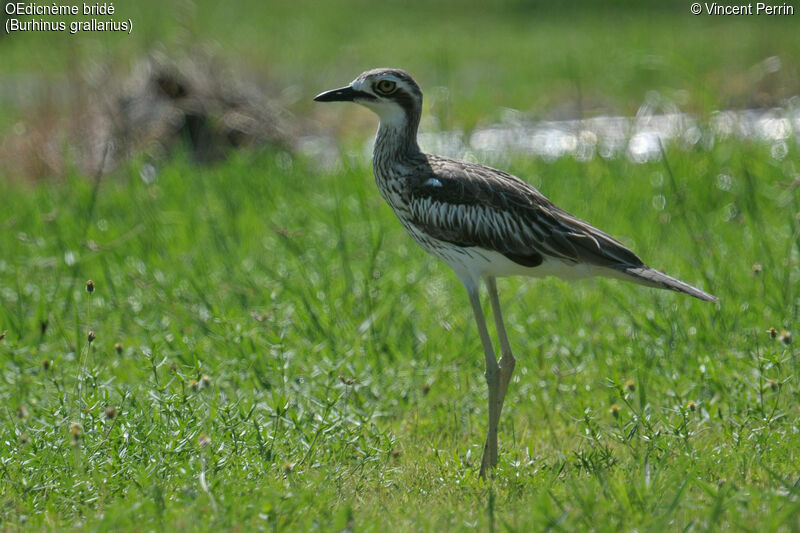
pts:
[345, 94]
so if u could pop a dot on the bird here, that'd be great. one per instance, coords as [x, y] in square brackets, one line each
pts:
[482, 222]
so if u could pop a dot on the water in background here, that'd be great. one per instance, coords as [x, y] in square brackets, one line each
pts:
[638, 138]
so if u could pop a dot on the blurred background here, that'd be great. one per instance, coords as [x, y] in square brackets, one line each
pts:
[224, 75]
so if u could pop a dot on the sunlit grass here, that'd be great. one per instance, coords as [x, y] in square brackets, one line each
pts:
[289, 359]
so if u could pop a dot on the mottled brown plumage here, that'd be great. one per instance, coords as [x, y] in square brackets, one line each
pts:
[481, 221]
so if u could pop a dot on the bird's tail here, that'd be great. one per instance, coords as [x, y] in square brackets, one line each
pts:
[648, 276]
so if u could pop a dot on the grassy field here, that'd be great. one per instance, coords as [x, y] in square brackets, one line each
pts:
[547, 58]
[271, 352]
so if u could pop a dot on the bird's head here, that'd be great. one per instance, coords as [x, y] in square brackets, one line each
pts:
[391, 93]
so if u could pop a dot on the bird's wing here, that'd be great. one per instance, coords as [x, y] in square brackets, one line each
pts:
[474, 205]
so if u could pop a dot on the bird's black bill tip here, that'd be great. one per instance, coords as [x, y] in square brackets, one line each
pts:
[345, 94]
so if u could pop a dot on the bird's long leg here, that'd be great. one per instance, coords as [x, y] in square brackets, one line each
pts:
[492, 380]
[507, 360]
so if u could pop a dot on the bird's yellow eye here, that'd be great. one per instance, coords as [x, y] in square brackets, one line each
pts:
[385, 86]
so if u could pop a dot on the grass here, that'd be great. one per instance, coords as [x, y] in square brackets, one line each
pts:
[272, 352]
[289, 359]
[474, 58]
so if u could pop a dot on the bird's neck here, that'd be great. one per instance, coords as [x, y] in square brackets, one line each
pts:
[396, 141]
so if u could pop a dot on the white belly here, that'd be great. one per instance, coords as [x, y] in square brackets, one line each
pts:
[475, 263]
[479, 263]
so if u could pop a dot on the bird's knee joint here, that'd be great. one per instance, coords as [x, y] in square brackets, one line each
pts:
[507, 363]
